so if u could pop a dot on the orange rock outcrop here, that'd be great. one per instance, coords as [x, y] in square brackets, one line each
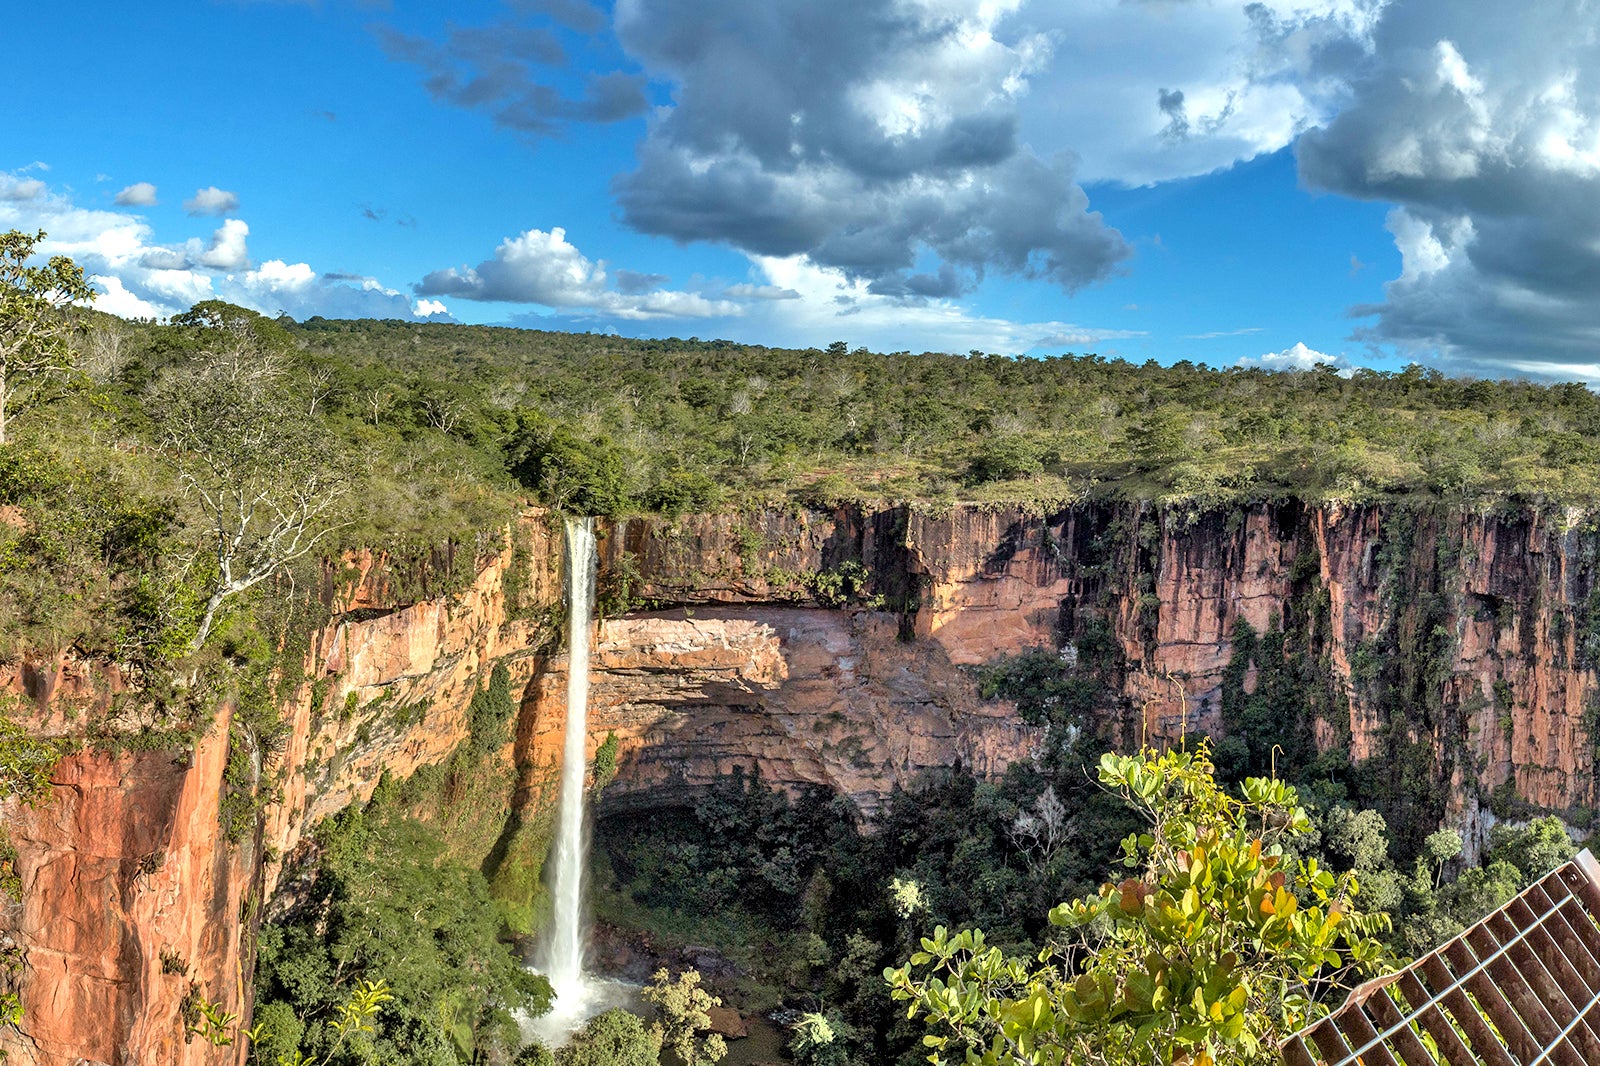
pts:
[749, 641]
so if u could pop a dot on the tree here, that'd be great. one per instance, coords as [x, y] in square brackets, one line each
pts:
[685, 1013]
[819, 1040]
[1438, 850]
[1535, 849]
[614, 1038]
[569, 473]
[1212, 949]
[386, 900]
[36, 355]
[257, 464]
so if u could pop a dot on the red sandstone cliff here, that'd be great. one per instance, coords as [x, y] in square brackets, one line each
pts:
[1480, 625]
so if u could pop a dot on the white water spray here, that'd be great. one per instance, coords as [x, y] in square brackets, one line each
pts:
[579, 995]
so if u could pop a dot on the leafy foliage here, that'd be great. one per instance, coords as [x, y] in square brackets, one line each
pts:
[605, 764]
[1213, 949]
[489, 713]
[257, 466]
[683, 1016]
[611, 1038]
[36, 324]
[385, 904]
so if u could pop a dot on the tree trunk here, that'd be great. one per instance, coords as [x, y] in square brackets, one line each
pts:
[208, 619]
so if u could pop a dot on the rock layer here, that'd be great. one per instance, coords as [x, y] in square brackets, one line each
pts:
[801, 695]
[820, 647]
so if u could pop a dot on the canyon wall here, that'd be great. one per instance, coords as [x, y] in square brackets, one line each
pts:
[1451, 650]
[1475, 632]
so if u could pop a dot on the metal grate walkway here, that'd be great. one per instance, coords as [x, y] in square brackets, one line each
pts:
[1519, 988]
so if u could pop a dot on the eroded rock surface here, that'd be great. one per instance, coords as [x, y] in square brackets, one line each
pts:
[834, 648]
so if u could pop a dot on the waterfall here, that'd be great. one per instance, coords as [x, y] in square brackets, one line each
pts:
[562, 958]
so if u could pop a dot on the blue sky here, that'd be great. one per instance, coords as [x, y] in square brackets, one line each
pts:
[1365, 182]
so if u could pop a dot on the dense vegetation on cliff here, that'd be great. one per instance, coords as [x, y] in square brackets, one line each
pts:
[603, 424]
[407, 435]
[168, 503]
[811, 909]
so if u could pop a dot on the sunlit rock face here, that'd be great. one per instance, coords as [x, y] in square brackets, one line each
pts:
[836, 648]
[1468, 631]
[129, 894]
[800, 695]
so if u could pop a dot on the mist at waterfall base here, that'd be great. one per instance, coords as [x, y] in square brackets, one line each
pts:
[579, 995]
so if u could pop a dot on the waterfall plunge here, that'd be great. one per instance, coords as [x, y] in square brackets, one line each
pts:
[579, 995]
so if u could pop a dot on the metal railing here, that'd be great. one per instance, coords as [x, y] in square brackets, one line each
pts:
[1519, 988]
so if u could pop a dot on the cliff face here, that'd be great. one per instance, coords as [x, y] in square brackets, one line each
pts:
[1450, 650]
[126, 875]
[130, 899]
[801, 695]
[1453, 652]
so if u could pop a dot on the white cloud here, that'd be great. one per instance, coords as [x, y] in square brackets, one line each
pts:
[828, 306]
[139, 194]
[227, 249]
[429, 308]
[746, 291]
[115, 299]
[20, 190]
[1147, 92]
[277, 276]
[139, 277]
[1482, 124]
[867, 135]
[539, 267]
[212, 201]
[1298, 357]
[164, 259]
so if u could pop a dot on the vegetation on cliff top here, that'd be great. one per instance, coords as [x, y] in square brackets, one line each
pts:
[168, 489]
[602, 423]
[128, 489]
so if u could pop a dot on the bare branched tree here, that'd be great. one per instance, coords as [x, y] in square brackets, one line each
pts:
[443, 412]
[101, 355]
[37, 360]
[1042, 831]
[378, 400]
[255, 463]
[319, 386]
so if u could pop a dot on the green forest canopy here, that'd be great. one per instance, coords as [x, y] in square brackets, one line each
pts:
[607, 424]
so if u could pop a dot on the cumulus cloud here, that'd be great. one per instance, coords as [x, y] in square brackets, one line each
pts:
[137, 277]
[916, 144]
[865, 134]
[1482, 124]
[227, 249]
[139, 194]
[540, 267]
[747, 291]
[211, 201]
[826, 305]
[506, 70]
[164, 259]
[20, 190]
[632, 283]
[299, 291]
[1298, 357]
[1148, 92]
[116, 299]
